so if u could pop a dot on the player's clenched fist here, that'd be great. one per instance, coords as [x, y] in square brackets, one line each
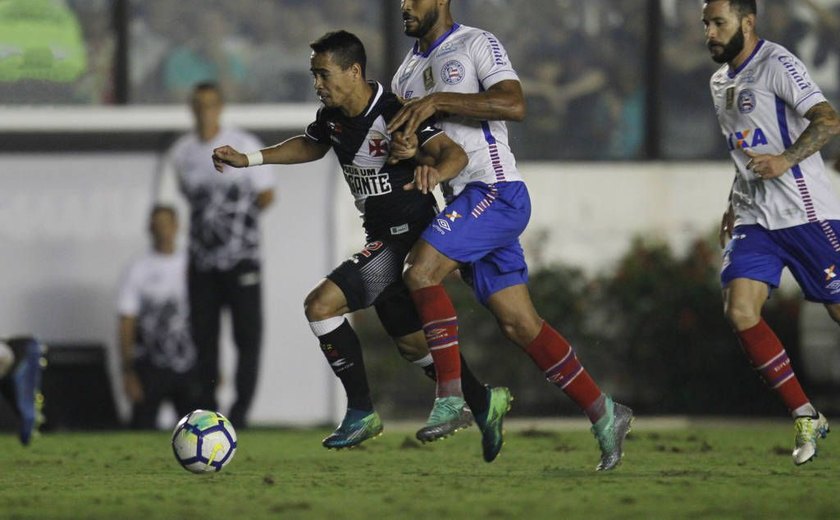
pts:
[425, 179]
[227, 155]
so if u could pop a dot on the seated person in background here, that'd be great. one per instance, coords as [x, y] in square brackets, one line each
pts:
[158, 355]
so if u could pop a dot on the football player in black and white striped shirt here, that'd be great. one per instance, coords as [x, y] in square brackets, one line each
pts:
[393, 194]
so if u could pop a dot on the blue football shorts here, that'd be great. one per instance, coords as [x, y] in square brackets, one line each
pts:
[810, 251]
[480, 228]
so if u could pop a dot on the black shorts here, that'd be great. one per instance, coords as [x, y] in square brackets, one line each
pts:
[373, 276]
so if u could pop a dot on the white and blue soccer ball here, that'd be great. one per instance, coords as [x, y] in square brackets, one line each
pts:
[204, 441]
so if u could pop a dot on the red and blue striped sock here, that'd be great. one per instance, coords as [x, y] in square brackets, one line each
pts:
[769, 358]
[440, 325]
[555, 356]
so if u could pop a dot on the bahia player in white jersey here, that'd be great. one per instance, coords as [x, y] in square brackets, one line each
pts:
[465, 60]
[462, 76]
[782, 210]
[396, 206]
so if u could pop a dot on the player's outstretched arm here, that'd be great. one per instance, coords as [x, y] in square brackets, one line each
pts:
[228, 156]
[448, 159]
[503, 101]
[296, 150]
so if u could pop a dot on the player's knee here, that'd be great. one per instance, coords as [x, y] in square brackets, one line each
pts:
[519, 330]
[316, 308]
[416, 278]
[742, 316]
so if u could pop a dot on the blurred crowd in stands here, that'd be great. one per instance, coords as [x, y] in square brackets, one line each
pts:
[584, 65]
[258, 51]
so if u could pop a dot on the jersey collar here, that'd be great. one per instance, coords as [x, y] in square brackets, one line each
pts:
[433, 46]
[377, 93]
[732, 73]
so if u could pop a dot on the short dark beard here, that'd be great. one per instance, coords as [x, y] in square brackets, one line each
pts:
[731, 49]
[426, 24]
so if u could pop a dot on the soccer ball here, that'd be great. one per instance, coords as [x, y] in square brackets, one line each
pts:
[203, 441]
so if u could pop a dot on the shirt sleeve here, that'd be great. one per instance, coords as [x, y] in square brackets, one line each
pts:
[166, 188]
[128, 299]
[490, 60]
[791, 82]
[262, 177]
[426, 131]
[317, 130]
[394, 82]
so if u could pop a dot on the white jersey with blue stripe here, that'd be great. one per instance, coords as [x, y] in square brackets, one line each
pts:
[761, 107]
[464, 60]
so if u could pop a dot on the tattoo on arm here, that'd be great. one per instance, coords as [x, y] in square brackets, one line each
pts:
[824, 125]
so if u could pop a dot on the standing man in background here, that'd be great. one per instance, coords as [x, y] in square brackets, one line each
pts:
[224, 251]
[782, 210]
[158, 355]
[462, 75]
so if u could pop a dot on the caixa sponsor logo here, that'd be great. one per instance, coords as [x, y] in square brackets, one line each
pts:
[749, 138]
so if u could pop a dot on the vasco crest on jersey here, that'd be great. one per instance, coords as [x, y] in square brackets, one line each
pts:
[377, 145]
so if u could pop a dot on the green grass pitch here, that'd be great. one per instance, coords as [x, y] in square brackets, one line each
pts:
[719, 471]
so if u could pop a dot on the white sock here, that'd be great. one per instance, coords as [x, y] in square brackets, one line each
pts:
[319, 328]
[806, 410]
[423, 362]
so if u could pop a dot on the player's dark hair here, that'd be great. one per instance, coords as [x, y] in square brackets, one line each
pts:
[346, 49]
[207, 85]
[742, 7]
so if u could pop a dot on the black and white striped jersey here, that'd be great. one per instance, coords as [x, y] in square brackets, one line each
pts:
[362, 145]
